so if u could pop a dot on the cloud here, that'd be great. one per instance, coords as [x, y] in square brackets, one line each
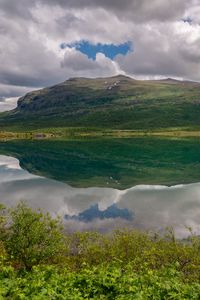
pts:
[31, 32]
[7, 90]
[158, 9]
[139, 10]
[78, 64]
[24, 59]
[8, 103]
[170, 51]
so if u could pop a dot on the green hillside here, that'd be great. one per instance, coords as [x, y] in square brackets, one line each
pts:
[117, 102]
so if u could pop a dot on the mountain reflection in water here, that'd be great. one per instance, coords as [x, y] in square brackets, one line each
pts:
[143, 206]
[114, 163]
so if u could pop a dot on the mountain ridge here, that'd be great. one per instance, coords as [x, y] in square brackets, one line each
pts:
[117, 102]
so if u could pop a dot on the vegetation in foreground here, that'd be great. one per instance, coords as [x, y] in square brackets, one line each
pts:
[40, 260]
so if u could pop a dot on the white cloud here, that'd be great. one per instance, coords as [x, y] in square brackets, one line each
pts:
[31, 32]
[169, 50]
[7, 90]
[78, 64]
[8, 104]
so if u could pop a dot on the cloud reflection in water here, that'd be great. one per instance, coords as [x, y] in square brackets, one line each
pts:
[152, 207]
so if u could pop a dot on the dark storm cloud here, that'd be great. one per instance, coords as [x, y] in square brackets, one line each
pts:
[139, 10]
[17, 9]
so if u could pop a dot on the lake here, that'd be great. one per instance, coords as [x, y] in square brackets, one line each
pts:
[103, 184]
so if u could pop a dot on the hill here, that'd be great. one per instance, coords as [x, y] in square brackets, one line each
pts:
[117, 102]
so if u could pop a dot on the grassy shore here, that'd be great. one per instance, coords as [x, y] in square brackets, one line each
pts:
[67, 132]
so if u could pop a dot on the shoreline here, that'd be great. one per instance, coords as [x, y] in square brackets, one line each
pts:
[68, 133]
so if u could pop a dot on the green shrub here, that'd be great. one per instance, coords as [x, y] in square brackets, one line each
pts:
[111, 282]
[39, 261]
[33, 237]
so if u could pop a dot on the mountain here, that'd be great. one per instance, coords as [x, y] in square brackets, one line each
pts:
[117, 102]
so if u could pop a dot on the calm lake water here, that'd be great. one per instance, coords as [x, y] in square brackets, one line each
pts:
[106, 184]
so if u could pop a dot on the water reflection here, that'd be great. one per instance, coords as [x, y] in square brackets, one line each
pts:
[113, 163]
[143, 206]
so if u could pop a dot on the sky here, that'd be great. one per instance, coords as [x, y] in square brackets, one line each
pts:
[44, 42]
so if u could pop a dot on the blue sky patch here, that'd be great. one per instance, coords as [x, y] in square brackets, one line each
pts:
[109, 50]
[187, 20]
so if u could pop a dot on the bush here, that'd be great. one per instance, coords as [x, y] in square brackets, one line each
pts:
[111, 282]
[33, 237]
[39, 261]
[2, 220]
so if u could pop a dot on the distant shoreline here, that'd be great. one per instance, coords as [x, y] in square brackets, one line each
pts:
[65, 133]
